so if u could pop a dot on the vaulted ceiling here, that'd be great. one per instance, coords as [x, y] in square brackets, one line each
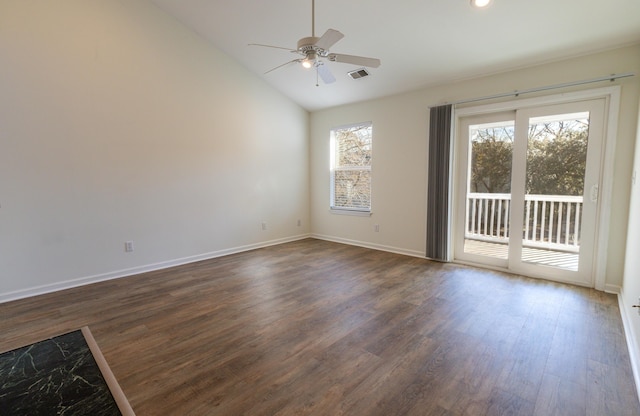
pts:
[420, 42]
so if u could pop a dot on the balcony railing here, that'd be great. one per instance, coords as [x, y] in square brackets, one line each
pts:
[550, 221]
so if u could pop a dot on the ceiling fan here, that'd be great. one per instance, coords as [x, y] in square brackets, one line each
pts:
[314, 52]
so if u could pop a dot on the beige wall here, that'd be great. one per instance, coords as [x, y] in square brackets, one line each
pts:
[400, 126]
[116, 124]
[631, 283]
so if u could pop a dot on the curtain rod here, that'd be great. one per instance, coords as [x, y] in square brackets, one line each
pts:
[516, 93]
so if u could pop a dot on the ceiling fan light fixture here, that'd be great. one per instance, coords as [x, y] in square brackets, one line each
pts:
[310, 60]
[480, 3]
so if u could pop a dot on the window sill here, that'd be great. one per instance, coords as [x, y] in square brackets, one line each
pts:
[355, 213]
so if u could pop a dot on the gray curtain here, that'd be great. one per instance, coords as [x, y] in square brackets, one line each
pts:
[438, 182]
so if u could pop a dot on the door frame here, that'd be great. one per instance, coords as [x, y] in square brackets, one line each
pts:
[592, 177]
[461, 169]
[611, 95]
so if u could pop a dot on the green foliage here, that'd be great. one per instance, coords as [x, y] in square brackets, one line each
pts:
[556, 158]
[491, 153]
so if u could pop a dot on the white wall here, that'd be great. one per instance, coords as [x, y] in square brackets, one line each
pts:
[631, 283]
[399, 170]
[116, 124]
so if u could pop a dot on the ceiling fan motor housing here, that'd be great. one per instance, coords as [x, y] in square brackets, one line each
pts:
[307, 46]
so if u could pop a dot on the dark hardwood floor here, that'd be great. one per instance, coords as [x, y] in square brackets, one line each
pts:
[314, 327]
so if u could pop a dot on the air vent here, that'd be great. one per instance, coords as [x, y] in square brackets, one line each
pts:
[358, 73]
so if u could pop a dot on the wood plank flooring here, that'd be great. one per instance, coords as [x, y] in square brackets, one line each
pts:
[319, 328]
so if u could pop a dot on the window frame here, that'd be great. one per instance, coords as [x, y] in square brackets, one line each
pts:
[333, 168]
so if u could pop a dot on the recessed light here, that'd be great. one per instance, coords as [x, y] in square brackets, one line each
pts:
[480, 3]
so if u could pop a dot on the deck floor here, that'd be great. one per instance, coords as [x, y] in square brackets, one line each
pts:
[554, 258]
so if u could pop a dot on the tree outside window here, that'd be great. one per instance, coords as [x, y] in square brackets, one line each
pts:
[351, 167]
[556, 157]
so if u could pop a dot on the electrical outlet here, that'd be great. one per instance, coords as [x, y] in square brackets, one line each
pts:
[376, 228]
[128, 246]
[299, 223]
[264, 226]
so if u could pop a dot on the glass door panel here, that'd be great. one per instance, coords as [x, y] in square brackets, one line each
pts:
[554, 186]
[529, 200]
[557, 154]
[489, 189]
[484, 215]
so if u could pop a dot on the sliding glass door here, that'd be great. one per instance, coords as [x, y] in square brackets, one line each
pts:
[484, 222]
[529, 200]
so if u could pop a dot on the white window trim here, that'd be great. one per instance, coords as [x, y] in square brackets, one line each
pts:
[345, 210]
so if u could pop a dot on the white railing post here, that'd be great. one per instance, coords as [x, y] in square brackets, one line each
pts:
[557, 216]
[543, 216]
[559, 226]
[507, 230]
[566, 225]
[576, 227]
[526, 219]
[552, 205]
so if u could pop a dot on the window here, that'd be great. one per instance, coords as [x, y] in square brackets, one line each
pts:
[351, 168]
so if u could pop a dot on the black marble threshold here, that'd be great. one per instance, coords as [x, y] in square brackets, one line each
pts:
[64, 375]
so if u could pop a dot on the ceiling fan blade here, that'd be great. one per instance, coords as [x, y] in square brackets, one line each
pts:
[325, 74]
[271, 46]
[284, 64]
[330, 37]
[355, 60]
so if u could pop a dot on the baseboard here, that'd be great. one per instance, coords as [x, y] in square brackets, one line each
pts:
[632, 340]
[68, 284]
[366, 244]
[613, 289]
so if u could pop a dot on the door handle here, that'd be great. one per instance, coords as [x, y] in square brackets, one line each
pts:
[593, 194]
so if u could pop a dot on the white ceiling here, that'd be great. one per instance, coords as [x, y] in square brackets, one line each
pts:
[420, 42]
